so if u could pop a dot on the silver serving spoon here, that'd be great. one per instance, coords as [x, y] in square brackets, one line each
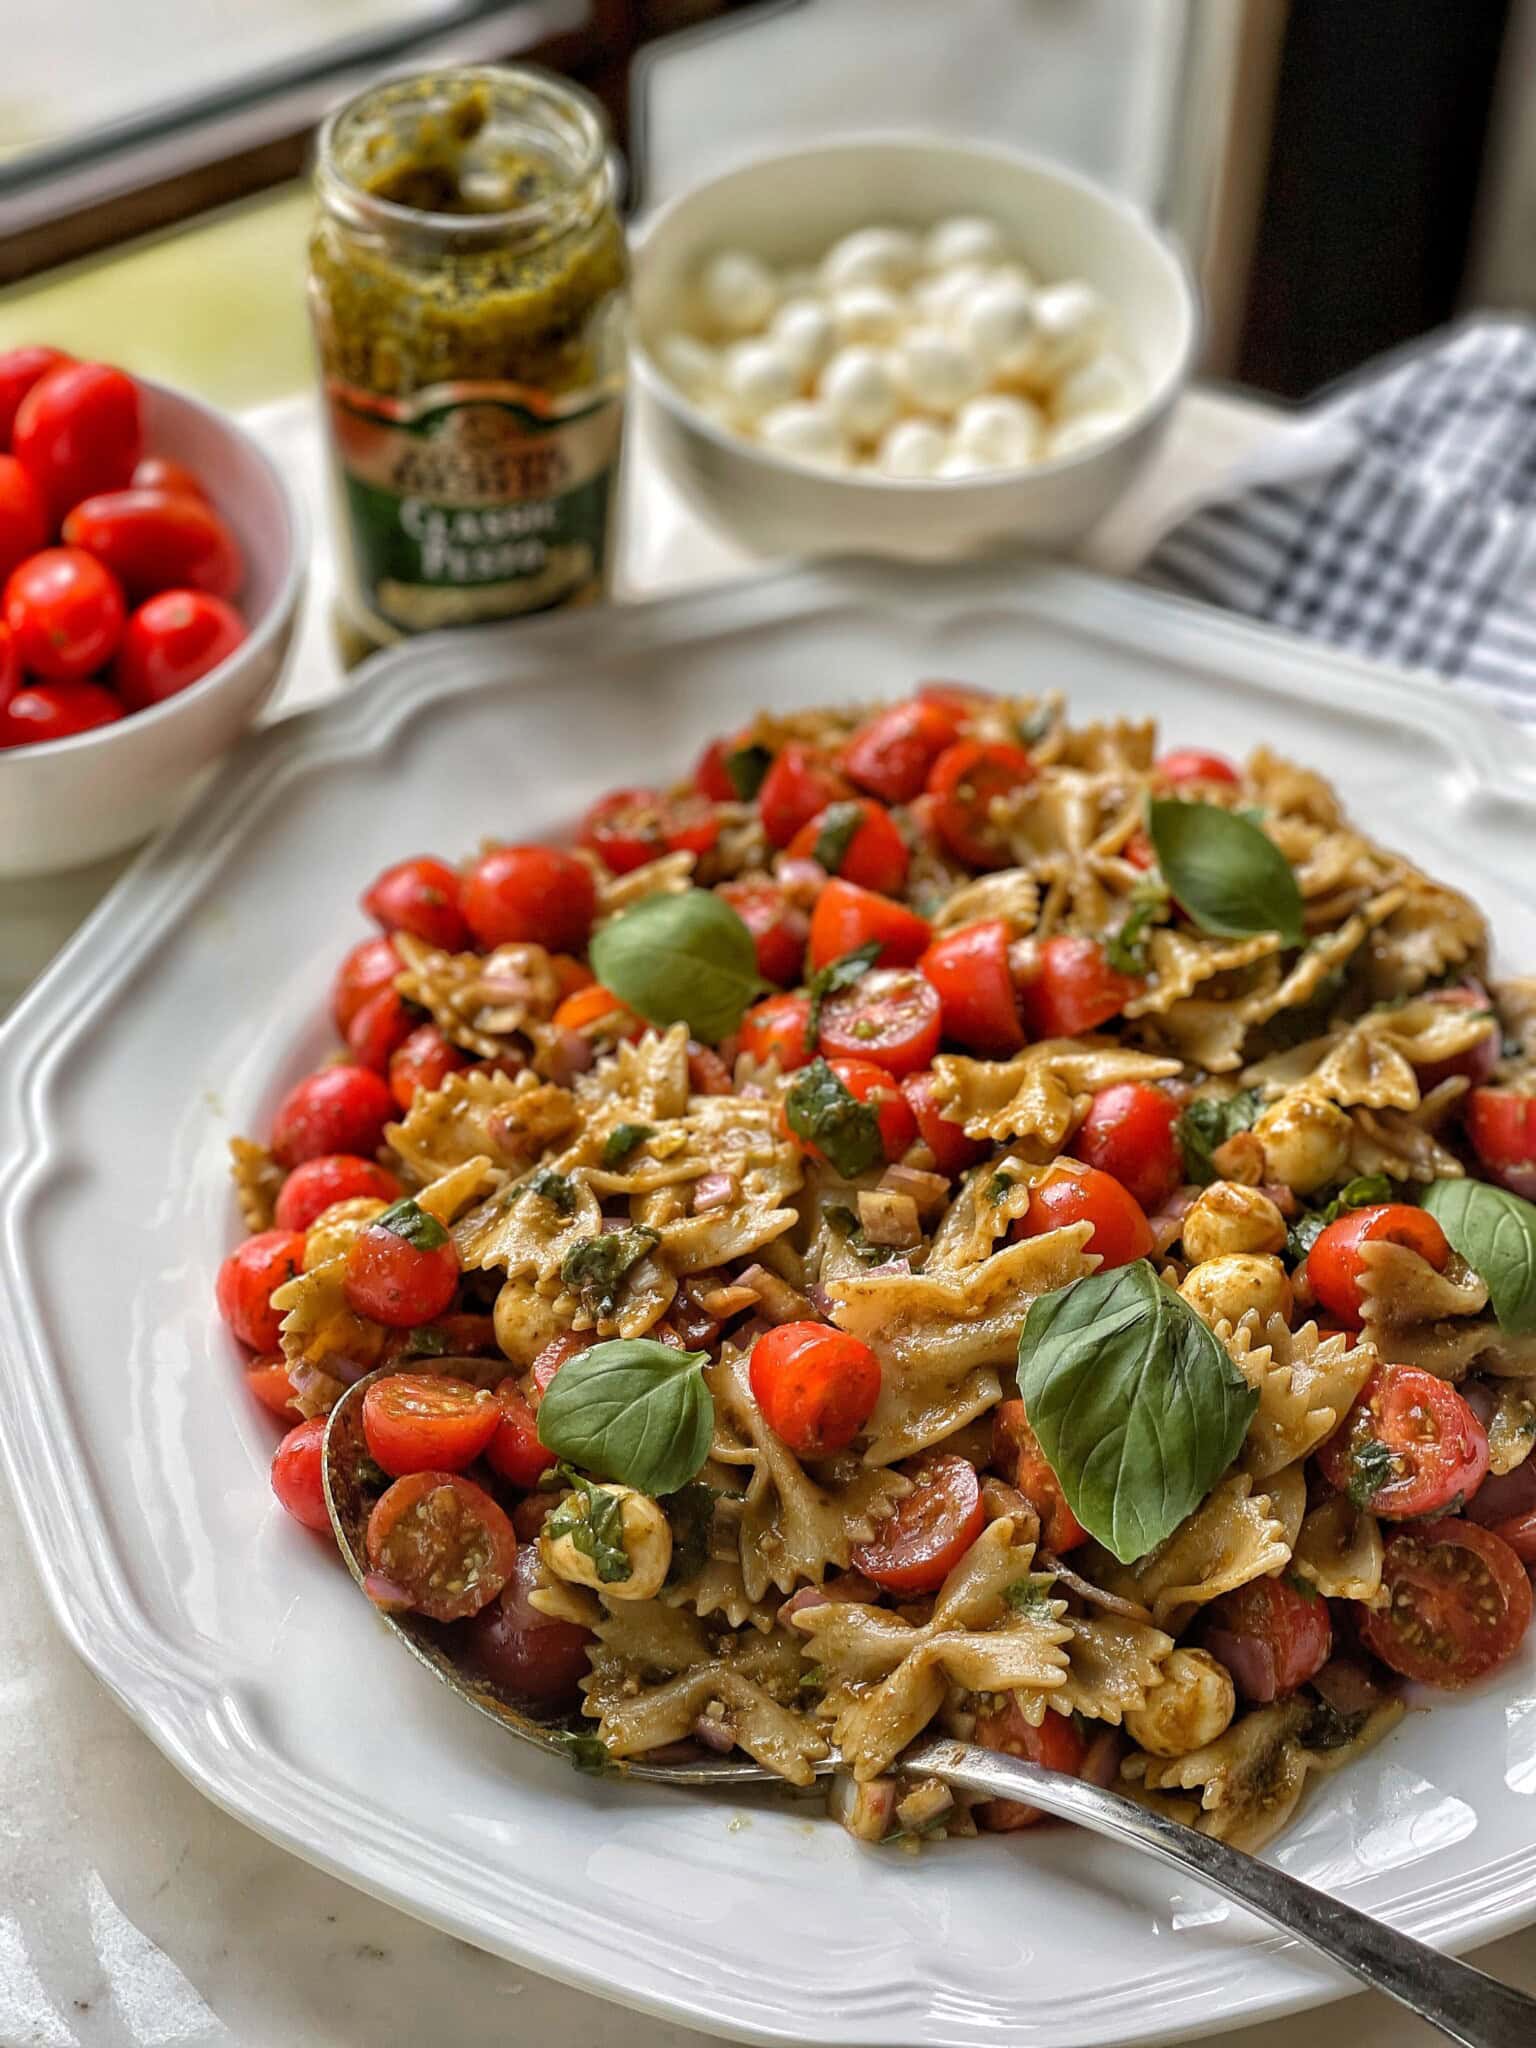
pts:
[1463, 2003]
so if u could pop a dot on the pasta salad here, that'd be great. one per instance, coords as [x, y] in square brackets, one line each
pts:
[944, 1219]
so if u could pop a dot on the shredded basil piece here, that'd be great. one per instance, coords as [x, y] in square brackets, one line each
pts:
[829, 980]
[1364, 1193]
[999, 1187]
[690, 1513]
[1226, 875]
[593, 1518]
[552, 1187]
[1030, 1596]
[1126, 948]
[594, 1266]
[623, 1139]
[633, 1410]
[1206, 1125]
[1326, 1728]
[406, 1218]
[747, 768]
[847, 1222]
[586, 1752]
[820, 1109]
[839, 827]
[1372, 1465]
[1033, 729]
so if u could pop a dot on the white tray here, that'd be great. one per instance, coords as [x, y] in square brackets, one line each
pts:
[196, 993]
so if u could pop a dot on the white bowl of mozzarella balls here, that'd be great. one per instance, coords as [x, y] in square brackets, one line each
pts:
[906, 347]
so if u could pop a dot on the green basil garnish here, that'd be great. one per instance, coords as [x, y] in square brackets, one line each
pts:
[631, 1410]
[586, 1752]
[829, 1116]
[842, 1218]
[1495, 1232]
[594, 1266]
[826, 981]
[839, 826]
[1364, 1193]
[690, 1515]
[1137, 1407]
[1033, 729]
[594, 1521]
[623, 1139]
[552, 1187]
[1126, 948]
[1227, 876]
[1205, 1127]
[407, 1219]
[1372, 1465]
[747, 768]
[685, 959]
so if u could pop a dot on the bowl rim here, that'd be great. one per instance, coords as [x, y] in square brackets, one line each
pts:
[279, 610]
[1157, 400]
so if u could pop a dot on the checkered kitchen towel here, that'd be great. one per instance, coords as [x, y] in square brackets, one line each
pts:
[1396, 519]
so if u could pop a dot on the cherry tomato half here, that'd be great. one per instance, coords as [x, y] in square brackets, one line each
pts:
[952, 1150]
[933, 1527]
[1056, 1745]
[65, 612]
[171, 642]
[419, 896]
[798, 785]
[857, 839]
[158, 540]
[24, 520]
[440, 1545]
[1458, 1602]
[1192, 764]
[530, 1655]
[268, 1379]
[55, 711]
[779, 927]
[628, 827]
[250, 1276]
[847, 917]
[1017, 1454]
[20, 369]
[1502, 1128]
[422, 1422]
[403, 1269]
[371, 965]
[1410, 1445]
[866, 1082]
[815, 1386]
[297, 1468]
[1334, 1264]
[1129, 1133]
[379, 1030]
[775, 1029]
[1067, 987]
[514, 1452]
[971, 971]
[967, 779]
[1271, 1634]
[338, 1109]
[1121, 1231]
[333, 1177]
[79, 430]
[890, 1016]
[530, 894]
[891, 756]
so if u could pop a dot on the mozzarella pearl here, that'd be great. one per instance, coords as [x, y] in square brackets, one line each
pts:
[1086, 430]
[936, 371]
[736, 291]
[1071, 321]
[939, 299]
[858, 386]
[1105, 383]
[806, 432]
[803, 329]
[867, 312]
[883, 256]
[964, 238]
[691, 365]
[958, 463]
[912, 448]
[998, 431]
[998, 320]
[757, 376]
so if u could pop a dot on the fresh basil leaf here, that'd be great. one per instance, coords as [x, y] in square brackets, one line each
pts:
[827, 981]
[1126, 948]
[1326, 1728]
[594, 1266]
[843, 1218]
[1365, 1192]
[407, 1219]
[830, 1116]
[1226, 875]
[685, 959]
[623, 1139]
[632, 1410]
[814, 1680]
[586, 1752]
[999, 1187]
[1495, 1232]
[1030, 1596]
[1033, 729]
[747, 769]
[1137, 1407]
[425, 1342]
[690, 1514]
[552, 1187]
[839, 827]
[593, 1518]
[1372, 1465]
[1206, 1125]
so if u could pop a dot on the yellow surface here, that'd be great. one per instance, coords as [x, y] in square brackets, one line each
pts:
[216, 308]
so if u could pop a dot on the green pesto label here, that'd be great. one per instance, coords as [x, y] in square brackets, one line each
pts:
[464, 503]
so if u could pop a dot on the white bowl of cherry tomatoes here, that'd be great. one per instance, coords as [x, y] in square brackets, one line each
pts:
[150, 573]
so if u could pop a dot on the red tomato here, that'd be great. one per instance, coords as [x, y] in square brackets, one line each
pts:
[798, 785]
[419, 896]
[171, 642]
[597, 1013]
[890, 1016]
[420, 1422]
[559, 1351]
[422, 1064]
[1138, 851]
[707, 1072]
[933, 1527]
[1016, 1452]
[775, 1030]
[891, 756]
[56, 711]
[164, 473]
[1271, 1634]
[157, 540]
[628, 827]
[24, 522]
[514, 1452]
[379, 1029]
[964, 700]
[65, 612]
[20, 369]
[297, 1468]
[530, 894]
[971, 971]
[248, 1279]
[1191, 764]
[711, 778]
[1502, 1128]
[440, 1545]
[967, 778]
[570, 973]
[816, 1387]
[332, 1177]
[10, 668]
[525, 1653]
[79, 430]
[338, 1109]
[268, 1380]
[1068, 987]
[873, 854]
[403, 1270]
[866, 1082]
[952, 1150]
[371, 965]
[1121, 1231]
[1519, 1532]
[1333, 1264]
[1056, 1745]
[1410, 1446]
[1128, 1133]
[779, 928]
[847, 917]
[1459, 1602]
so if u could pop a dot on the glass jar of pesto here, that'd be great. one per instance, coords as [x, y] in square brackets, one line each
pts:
[467, 283]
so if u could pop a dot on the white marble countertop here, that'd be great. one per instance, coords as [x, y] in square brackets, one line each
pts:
[134, 1914]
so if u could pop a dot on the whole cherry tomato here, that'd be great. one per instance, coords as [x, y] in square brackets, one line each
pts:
[1334, 1264]
[338, 1109]
[297, 1468]
[1456, 1603]
[514, 1452]
[1129, 1133]
[20, 369]
[371, 965]
[164, 473]
[857, 839]
[815, 1386]
[171, 642]
[1272, 1635]
[1067, 987]
[933, 1527]
[967, 779]
[1017, 1454]
[250, 1276]
[1121, 1231]
[971, 971]
[526, 1653]
[1410, 1446]
[892, 755]
[775, 1029]
[319, 1183]
[65, 612]
[158, 540]
[56, 711]
[438, 1544]
[952, 1150]
[419, 896]
[421, 1064]
[10, 668]
[779, 928]
[889, 1015]
[847, 917]
[1192, 764]
[24, 520]
[533, 895]
[403, 1270]
[798, 785]
[426, 1422]
[628, 827]
[1502, 1128]
[1056, 1745]
[379, 1029]
[79, 430]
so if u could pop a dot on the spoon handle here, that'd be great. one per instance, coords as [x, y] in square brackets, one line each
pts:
[1463, 2003]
